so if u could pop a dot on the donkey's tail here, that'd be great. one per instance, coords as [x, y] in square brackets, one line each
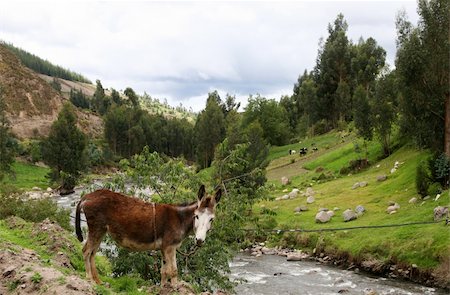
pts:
[78, 222]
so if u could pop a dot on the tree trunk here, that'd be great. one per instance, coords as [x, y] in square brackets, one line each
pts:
[447, 125]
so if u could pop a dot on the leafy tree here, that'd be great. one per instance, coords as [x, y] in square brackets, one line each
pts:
[64, 150]
[115, 97]
[384, 109]
[209, 130]
[271, 116]
[363, 121]
[367, 62]
[78, 99]
[423, 65]
[100, 101]
[132, 97]
[333, 67]
[6, 143]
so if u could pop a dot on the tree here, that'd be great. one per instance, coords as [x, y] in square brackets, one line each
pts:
[64, 150]
[363, 121]
[100, 101]
[132, 97]
[384, 109]
[209, 130]
[423, 67]
[6, 144]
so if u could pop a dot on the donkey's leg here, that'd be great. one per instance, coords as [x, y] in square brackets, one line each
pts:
[90, 248]
[171, 270]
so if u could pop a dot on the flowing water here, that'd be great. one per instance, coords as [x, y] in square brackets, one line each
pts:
[270, 274]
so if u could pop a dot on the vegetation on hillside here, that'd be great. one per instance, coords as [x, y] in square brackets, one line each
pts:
[45, 67]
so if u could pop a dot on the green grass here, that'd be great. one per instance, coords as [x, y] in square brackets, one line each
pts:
[424, 245]
[28, 176]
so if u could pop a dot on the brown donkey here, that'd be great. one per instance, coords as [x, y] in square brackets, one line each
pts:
[140, 226]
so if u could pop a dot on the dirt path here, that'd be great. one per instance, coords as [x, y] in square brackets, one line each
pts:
[283, 167]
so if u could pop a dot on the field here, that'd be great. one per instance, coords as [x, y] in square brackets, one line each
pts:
[427, 246]
[28, 176]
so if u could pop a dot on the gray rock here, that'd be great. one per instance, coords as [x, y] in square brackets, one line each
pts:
[355, 186]
[322, 209]
[363, 183]
[293, 194]
[330, 212]
[440, 212]
[391, 208]
[285, 197]
[381, 177]
[310, 192]
[413, 200]
[349, 215]
[322, 217]
[301, 208]
[310, 200]
[360, 209]
[284, 180]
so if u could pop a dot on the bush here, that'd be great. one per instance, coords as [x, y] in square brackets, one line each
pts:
[434, 189]
[422, 179]
[33, 210]
[319, 128]
[439, 166]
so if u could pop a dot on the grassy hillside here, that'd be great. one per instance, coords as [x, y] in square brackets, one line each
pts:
[427, 246]
[28, 176]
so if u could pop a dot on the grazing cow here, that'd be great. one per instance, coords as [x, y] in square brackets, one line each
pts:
[141, 226]
[303, 151]
[292, 152]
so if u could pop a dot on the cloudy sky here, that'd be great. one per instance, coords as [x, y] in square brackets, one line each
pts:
[181, 50]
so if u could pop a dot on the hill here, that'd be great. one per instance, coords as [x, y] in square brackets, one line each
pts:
[418, 252]
[31, 103]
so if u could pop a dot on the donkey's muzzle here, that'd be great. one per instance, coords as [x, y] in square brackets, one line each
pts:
[199, 242]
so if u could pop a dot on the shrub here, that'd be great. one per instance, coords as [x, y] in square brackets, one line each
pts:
[422, 179]
[439, 166]
[33, 210]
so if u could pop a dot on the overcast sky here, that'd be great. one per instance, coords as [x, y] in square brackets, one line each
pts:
[181, 50]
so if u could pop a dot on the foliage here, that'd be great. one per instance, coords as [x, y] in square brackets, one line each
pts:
[7, 152]
[100, 101]
[27, 176]
[271, 116]
[422, 179]
[64, 150]
[44, 66]
[423, 65]
[439, 165]
[363, 121]
[209, 130]
[79, 99]
[34, 210]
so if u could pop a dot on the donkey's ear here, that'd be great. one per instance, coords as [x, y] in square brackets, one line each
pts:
[218, 195]
[201, 192]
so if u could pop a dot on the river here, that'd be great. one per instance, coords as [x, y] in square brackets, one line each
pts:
[271, 274]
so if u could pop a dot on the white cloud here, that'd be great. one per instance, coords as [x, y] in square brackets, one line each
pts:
[181, 50]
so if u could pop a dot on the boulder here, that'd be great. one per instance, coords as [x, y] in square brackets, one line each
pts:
[381, 177]
[296, 256]
[310, 200]
[301, 208]
[330, 212]
[284, 180]
[413, 200]
[363, 183]
[293, 194]
[392, 208]
[285, 197]
[355, 186]
[322, 217]
[440, 212]
[310, 192]
[349, 215]
[49, 190]
[360, 209]
[35, 188]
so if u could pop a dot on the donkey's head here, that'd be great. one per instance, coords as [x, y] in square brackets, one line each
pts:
[204, 214]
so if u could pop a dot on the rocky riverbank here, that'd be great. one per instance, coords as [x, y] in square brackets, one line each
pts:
[438, 278]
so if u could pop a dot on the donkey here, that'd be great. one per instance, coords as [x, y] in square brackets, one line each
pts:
[141, 226]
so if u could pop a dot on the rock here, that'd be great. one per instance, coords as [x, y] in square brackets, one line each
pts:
[49, 190]
[322, 209]
[391, 203]
[35, 188]
[277, 198]
[330, 212]
[349, 215]
[301, 208]
[45, 195]
[391, 208]
[413, 200]
[310, 192]
[285, 190]
[284, 180]
[426, 198]
[440, 212]
[393, 170]
[310, 200]
[437, 197]
[296, 190]
[370, 291]
[296, 256]
[363, 183]
[268, 251]
[9, 272]
[381, 177]
[378, 166]
[360, 209]
[293, 194]
[285, 197]
[355, 186]
[322, 217]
